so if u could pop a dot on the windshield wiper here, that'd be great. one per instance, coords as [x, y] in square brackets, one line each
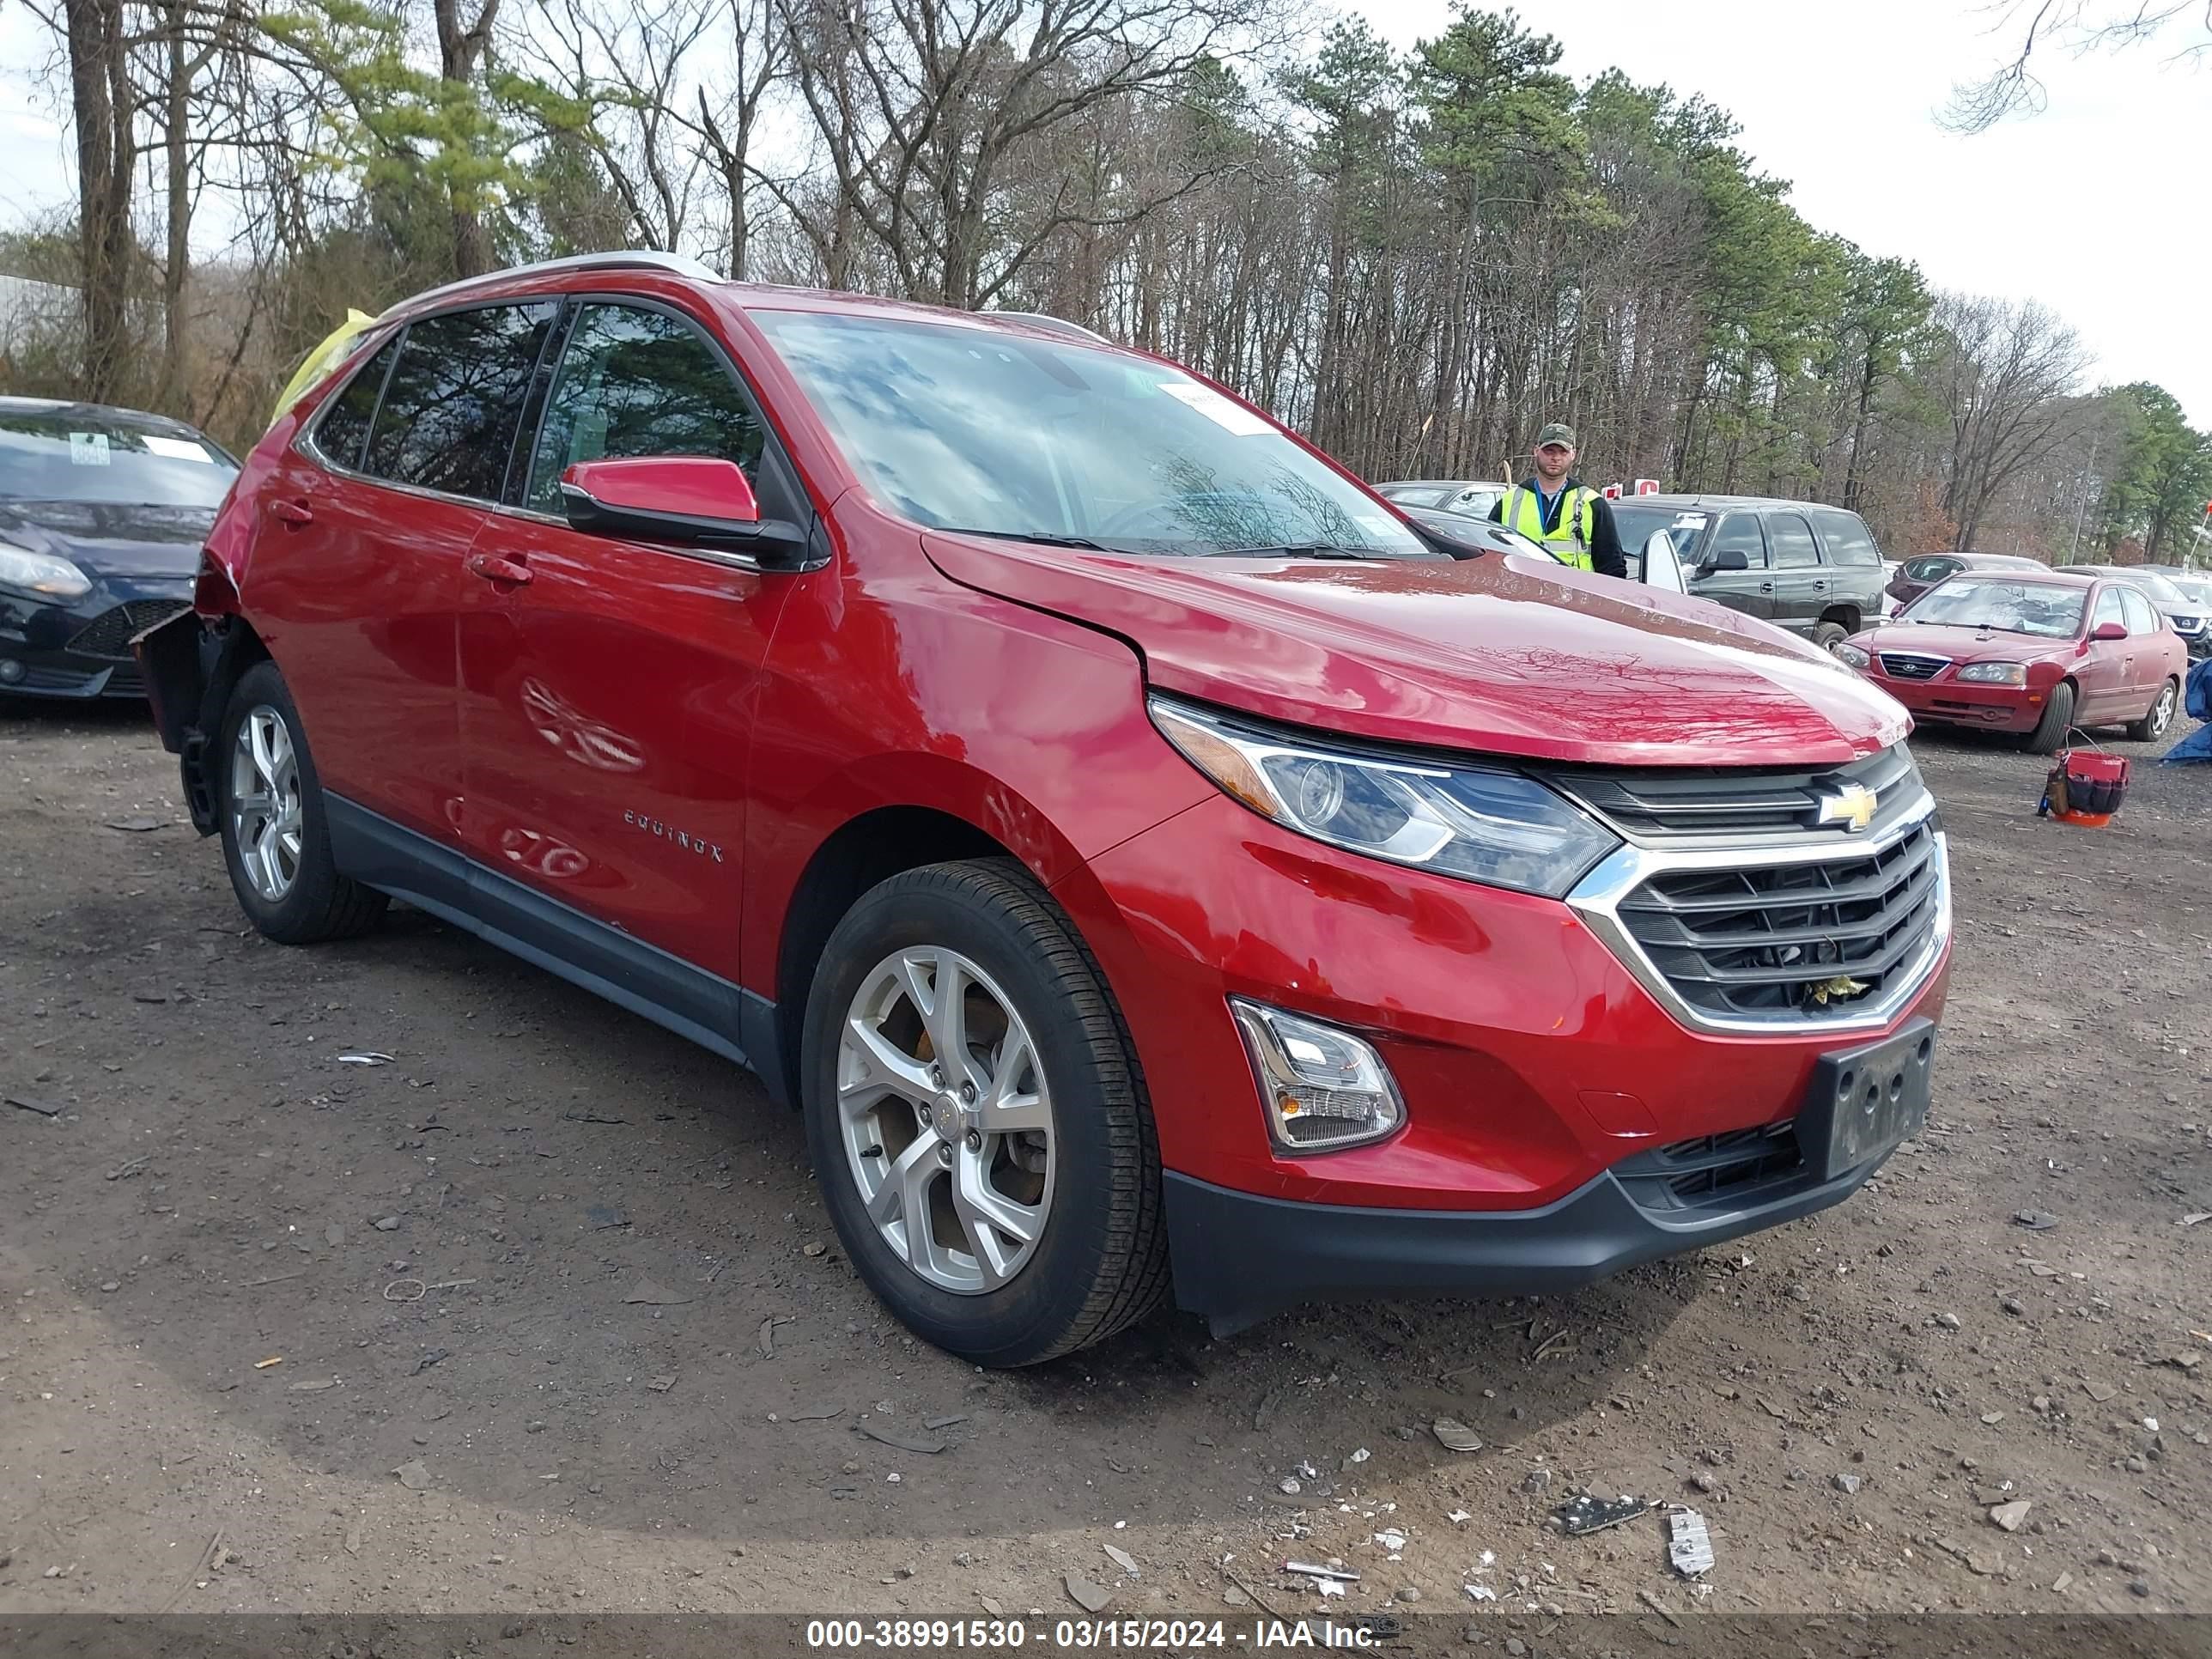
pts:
[1300, 551]
[1043, 537]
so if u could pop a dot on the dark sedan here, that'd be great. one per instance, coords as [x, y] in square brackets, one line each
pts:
[1917, 575]
[102, 514]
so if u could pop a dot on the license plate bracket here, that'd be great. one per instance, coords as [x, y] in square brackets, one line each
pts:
[1862, 1102]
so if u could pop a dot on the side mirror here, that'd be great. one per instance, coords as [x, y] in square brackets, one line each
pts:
[690, 500]
[1662, 565]
[1732, 558]
[2109, 631]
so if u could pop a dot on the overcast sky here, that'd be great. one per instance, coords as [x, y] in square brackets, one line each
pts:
[2097, 207]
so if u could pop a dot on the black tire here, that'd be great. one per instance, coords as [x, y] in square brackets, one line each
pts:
[1101, 1261]
[320, 903]
[2049, 734]
[1828, 635]
[2153, 724]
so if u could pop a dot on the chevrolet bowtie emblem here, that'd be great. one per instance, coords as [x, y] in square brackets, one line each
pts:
[1852, 807]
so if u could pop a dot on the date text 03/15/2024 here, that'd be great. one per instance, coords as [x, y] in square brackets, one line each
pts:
[1009, 1635]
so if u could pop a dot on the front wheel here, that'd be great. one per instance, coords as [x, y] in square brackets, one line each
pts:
[977, 1118]
[2152, 727]
[2049, 734]
[1828, 635]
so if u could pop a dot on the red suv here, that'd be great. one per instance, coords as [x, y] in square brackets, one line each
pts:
[1137, 855]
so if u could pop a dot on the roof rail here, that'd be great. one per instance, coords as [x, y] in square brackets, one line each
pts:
[1054, 324]
[681, 264]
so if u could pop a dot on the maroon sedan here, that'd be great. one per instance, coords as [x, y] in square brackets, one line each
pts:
[2042, 653]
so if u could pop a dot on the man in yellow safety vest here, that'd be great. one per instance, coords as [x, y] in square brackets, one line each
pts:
[1574, 522]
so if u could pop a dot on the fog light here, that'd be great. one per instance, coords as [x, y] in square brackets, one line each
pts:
[11, 672]
[1323, 1089]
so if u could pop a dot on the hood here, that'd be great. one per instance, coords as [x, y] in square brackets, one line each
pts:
[108, 538]
[1965, 644]
[1498, 655]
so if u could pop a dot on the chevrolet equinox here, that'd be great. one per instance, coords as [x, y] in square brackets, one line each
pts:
[1141, 858]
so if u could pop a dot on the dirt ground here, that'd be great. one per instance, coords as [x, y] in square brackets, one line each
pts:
[546, 1314]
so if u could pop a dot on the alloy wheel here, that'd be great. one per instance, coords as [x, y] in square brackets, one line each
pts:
[2161, 714]
[265, 803]
[945, 1116]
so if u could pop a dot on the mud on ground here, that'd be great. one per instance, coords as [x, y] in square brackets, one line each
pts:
[546, 1313]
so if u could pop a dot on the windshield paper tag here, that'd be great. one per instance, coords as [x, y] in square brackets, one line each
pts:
[1216, 408]
[176, 449]
[89, 449]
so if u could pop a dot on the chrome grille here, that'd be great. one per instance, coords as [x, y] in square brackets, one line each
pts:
[1911, 666]
[109, 633]
[1654, 805]
[1772, 941]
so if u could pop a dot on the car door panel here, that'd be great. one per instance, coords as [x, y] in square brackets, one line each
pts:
[1750, 591]
[353, 585]
[606, 703]
[1800, 580]
[2100, 674]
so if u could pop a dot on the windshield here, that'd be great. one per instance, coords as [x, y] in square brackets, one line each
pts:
[2043, 609]
[1417, 495]
[64, 455]
[2154, 585]
[1636, 526]
[967, 428]
[2198, 590]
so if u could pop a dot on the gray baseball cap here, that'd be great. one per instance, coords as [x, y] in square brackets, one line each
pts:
[1559, 432]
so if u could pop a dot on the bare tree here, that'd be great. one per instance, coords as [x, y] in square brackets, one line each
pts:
[2077, 26]
[944, 93]
[2010, 375]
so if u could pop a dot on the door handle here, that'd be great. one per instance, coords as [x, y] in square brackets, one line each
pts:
[1820, 584]
[293, 514]
[1766, 588]
[493, 569]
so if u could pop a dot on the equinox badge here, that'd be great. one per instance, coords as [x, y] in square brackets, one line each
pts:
[689, 842]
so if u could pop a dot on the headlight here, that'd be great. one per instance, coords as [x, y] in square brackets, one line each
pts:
[1851, 657]
[1995, 673]
[42, 574]
[1476, 822]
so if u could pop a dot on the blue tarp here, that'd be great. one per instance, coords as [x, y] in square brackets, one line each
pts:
[2198, 745]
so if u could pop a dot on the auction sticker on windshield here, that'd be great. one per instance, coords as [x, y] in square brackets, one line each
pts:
[1216, 408]
[87, 449]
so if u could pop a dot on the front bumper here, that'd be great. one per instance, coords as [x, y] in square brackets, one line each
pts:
[1946, 701]
[1240, 1258]
[1538, 1069]
[80, 651]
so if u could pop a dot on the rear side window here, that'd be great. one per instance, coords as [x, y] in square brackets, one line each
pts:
[633, 383]
[1791, 538]
[2141, 619]
[1739, 533]
[454, 400]
[1847, 539]
[342, 432]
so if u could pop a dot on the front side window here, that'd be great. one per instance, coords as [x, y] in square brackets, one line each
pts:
[454, 400]
[1930, 570]
[636, 383]
[78, 455]
[2109, 610]
[2045, 609]
[2141, 619]
[1739, 533]
[1791, 538]
[961, 427]
[1848, 540]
